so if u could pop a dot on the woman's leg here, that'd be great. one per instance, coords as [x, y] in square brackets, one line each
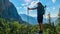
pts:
[40, 21]
[41, 26]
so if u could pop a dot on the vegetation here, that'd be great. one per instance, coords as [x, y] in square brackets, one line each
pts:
[13, 27]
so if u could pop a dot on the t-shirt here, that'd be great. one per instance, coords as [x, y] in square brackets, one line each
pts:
[40, 10]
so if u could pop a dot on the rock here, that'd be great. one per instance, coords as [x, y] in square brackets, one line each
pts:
[8, 11]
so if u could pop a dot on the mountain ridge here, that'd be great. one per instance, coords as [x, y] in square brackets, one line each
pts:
[9, 11]
[33, 20]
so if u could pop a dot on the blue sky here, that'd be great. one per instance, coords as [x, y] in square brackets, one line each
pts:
[52, 6]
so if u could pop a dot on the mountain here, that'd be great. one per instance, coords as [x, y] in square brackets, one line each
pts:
[33, 20]
[8, 11]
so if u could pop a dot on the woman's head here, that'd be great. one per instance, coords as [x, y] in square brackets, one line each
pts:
[39, 4]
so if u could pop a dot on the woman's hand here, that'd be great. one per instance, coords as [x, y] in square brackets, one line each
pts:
[28, 8]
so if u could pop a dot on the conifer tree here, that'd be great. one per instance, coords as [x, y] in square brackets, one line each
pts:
[59, 15]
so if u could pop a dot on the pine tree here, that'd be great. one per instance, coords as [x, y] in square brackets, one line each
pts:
[49, 18]
[59, 15]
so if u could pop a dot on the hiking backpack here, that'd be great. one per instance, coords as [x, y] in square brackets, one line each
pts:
[43, 10]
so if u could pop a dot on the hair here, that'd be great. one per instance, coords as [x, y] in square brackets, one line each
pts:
[39, 4]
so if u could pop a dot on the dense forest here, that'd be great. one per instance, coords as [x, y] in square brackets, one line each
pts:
[14, 27]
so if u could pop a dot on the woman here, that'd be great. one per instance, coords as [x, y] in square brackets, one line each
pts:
[40, 12]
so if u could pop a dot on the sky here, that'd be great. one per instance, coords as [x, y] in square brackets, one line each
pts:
[52, 7]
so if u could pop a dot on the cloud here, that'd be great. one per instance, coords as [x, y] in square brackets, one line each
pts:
[53, 1]
[23, 4]
[18, 7]
[20, 12]
[38, 0]
[33, 3]
[33, 15]
[27, 1]
[52, 15]
[54, 8]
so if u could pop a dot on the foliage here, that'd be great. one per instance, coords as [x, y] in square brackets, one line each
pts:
[14, 27]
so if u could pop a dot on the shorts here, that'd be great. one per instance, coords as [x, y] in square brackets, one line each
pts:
[40, 19]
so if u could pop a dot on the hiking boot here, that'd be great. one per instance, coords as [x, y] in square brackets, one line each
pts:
[41, 32]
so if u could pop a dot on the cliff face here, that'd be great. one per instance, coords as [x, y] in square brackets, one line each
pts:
[8, 10]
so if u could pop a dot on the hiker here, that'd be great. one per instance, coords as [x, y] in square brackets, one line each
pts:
[40, 12]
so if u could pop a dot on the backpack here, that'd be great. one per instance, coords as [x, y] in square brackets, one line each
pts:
[43, 10]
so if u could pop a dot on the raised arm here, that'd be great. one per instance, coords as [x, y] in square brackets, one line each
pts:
[32, 8]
